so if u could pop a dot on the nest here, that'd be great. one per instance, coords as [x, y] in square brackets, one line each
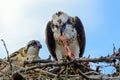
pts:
[46, 69]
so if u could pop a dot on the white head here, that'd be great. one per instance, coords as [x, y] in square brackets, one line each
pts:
[33, 47]
[62, 25]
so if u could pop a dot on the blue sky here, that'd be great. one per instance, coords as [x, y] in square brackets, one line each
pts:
[25, 20]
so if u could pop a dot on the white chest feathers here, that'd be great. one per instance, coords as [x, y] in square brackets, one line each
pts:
[62, 53]
[33, 53]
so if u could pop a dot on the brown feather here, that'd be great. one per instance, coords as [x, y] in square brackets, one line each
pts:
[50, 41]
[80, 35]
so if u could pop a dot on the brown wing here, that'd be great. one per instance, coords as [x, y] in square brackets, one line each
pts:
[80, 35]
[50, 41]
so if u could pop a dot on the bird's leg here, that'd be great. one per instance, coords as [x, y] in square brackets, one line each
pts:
[59, 57]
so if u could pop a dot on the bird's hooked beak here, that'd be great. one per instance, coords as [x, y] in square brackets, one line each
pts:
[40, 46]
[62, 29]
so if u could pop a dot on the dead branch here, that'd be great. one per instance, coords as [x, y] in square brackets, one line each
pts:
[37, 61]
[107, 59]
[7, 54]
[48, 73]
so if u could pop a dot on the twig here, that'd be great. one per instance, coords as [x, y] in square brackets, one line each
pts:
[5, 62]
[75, 77]
[92, 72]
[107, 59]
[49, 73]
[66, 71]
[37, 61]
[7, 54]
[3, 73]
[85, 76]
[61, 71]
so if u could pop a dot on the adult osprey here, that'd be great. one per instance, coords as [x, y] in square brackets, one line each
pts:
[72, 30]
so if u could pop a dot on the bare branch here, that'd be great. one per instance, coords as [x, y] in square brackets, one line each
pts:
[7, 54]
[107, 59]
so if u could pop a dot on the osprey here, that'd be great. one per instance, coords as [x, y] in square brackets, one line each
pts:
[29, 52]
[72, 31]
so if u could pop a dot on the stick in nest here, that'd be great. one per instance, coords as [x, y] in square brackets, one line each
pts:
[7, 54]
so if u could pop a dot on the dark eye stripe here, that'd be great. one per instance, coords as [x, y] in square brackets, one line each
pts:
[34, 43]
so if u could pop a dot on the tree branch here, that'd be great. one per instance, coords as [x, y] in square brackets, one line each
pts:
[7, 54]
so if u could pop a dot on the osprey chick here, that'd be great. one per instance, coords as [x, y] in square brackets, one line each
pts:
[29, 52]
[71, 29]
